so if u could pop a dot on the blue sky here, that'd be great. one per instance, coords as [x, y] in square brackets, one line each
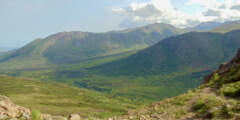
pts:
[22, 21]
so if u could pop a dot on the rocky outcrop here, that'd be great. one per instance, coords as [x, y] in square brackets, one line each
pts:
[11, 111]
[225, 67]
[8, 110]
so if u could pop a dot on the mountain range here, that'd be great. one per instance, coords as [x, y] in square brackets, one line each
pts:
[227, 27]
[216, 99]
[73, 47]
[165, 69]
[205, 26]
[146, 64]
[191, 50]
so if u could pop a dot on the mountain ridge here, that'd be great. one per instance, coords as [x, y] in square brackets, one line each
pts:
[70, 47]
[178, 51]
[205, 26]
[227, 27]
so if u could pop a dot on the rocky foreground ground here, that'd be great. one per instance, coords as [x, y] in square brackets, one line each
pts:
[10, 111]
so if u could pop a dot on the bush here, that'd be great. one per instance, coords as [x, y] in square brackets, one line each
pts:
[231, 90]
[36, 115]
[180, 113]
[201, 106]
[206, 106]
[227, 112]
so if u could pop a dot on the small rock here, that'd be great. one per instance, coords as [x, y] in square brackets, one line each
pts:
[26, 116]
[74, 117]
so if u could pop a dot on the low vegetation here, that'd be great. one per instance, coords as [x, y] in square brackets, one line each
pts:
[59, 99]
[217, 99]
[36, 115]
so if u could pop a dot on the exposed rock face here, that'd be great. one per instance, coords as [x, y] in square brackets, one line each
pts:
[225, 67]
[9, 110]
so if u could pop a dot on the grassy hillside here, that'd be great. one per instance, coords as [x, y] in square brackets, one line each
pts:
[190, 51]
[166, 69]
[59, 99]
[217, 99]
[141, 88]
[227, 27]
[74, 47]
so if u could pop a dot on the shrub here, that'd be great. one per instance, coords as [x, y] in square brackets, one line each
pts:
[36, 115]
[231, 90]
[201, 106]
[180, 113]
[227, 112]
[206, 106]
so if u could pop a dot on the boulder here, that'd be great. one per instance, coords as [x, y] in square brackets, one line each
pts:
[9, 110]
[74, 117]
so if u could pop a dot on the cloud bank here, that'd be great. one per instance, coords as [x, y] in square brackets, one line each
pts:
[162, 11]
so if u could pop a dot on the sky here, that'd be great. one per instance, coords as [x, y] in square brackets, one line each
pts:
[22, 21]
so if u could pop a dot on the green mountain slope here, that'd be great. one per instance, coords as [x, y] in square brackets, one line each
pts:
[217, 99]
[166, 69]
[177, 63]
[190, 50]
[227, 27]
[73, 47]
[60, 99]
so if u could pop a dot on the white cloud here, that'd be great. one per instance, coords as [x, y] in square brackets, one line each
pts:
[162, 11]
[215, 10]
[224, 11]
[152, 12]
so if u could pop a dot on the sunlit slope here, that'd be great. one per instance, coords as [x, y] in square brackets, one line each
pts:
[59, 99]
[74, 47]
[166, 69]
